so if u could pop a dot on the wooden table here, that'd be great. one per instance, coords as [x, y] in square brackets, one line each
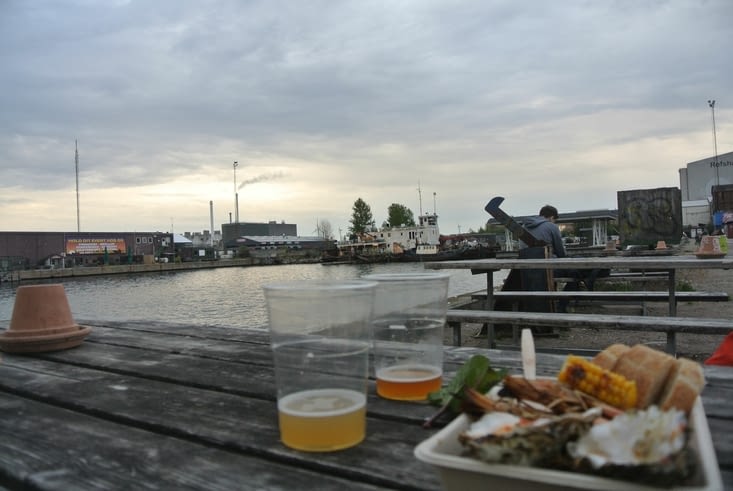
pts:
[668, 263]
[163, 406]
[671, 264]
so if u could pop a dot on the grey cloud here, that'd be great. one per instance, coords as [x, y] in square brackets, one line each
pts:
[153, 89]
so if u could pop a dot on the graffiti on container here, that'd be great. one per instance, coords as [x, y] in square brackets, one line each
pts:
[650, 215]
[654, 215]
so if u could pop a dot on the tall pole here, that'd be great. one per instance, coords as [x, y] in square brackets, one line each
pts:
[419, 194]
[711, 103]
[76, 159]
[211, 218]
[236, 194]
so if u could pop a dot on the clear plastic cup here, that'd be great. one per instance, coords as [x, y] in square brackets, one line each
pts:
[409, 319]
[320, 337]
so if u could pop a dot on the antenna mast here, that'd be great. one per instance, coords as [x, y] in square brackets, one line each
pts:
[419, 195]
[76, 159]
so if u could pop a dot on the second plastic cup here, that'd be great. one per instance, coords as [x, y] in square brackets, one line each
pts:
[409, 319]
[320, 337]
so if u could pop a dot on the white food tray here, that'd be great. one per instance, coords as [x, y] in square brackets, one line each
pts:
[461, 473]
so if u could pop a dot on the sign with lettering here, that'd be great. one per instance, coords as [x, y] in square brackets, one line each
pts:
[95, 245]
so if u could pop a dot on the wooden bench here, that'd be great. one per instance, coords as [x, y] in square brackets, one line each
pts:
[669, 325]
[601, 296]
[616, 278]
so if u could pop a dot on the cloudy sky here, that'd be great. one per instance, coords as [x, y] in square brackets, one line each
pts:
[324, 102]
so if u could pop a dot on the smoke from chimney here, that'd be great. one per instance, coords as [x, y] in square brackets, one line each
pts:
[270, 176]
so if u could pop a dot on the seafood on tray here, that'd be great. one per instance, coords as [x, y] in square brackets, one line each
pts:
[623, 414]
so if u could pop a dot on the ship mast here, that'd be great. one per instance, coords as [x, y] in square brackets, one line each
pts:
[419, 196]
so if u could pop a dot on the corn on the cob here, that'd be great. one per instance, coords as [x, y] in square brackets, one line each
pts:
[609, 387]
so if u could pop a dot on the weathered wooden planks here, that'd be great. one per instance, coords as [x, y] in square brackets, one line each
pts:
[140, 406]
[202, 406]
[611, 296]
[43, 446]
[618, 263]
[669, 325]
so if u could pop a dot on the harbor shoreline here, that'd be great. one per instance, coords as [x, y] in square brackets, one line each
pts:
[17, 277]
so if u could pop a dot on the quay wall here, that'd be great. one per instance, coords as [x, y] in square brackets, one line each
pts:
[58, 273]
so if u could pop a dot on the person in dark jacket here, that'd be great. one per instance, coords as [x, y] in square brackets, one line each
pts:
[543, 228]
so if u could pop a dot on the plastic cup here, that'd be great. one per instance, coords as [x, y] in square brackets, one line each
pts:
[409, 318]
[320, 335]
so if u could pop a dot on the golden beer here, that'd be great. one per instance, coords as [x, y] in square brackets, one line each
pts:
[322, 420]
[408, 382]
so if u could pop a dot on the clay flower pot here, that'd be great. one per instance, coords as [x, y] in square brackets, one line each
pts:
[661, 245]
[41, 321]
[709, 248]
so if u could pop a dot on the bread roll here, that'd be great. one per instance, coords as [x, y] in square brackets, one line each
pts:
[608, 357]
[685, 382]
[649, 368]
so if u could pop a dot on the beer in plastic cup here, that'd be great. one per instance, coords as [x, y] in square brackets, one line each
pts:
[320, 338]
[409, 318]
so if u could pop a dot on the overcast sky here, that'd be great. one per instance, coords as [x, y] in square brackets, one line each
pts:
[324, 102]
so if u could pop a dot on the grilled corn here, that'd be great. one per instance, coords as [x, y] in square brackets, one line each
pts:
[609, 387]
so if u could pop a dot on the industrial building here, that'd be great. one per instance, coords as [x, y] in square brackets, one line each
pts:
[702, 181]
[230, 232]
[21, 250]
[30, 250]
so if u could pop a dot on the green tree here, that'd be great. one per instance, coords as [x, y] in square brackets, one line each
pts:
[490, 229]
[361, 217]
[400, 215]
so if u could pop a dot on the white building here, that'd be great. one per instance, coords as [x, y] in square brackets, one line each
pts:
[204, 239]
[698, 178]
[696, 182]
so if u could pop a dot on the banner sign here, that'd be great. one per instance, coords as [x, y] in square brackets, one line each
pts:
[95, 246]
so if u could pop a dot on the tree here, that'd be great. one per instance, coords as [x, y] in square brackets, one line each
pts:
[490, 229]
[400, 215]
[361, 217]
[324, 229]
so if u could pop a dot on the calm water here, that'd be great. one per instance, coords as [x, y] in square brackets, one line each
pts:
[220, 297]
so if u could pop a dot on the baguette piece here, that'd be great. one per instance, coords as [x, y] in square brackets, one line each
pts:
[609, 357]
[649, 368]
[685, 382]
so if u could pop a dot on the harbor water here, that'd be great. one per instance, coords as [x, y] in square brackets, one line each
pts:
[216, 297]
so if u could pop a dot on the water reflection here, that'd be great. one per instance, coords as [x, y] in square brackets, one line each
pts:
[219, 297]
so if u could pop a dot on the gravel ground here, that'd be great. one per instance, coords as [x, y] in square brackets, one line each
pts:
[694, 346]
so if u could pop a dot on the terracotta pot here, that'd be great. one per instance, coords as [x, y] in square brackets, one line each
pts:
[709, 247]
[661, 245]
[41, 321]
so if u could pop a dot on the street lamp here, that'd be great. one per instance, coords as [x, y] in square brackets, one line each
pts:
[236, 194]
[711, 103]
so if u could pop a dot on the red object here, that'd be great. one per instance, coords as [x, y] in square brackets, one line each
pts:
[723, 355]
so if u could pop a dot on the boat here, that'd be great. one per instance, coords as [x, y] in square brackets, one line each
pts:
[416, 243]
[453, 254]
